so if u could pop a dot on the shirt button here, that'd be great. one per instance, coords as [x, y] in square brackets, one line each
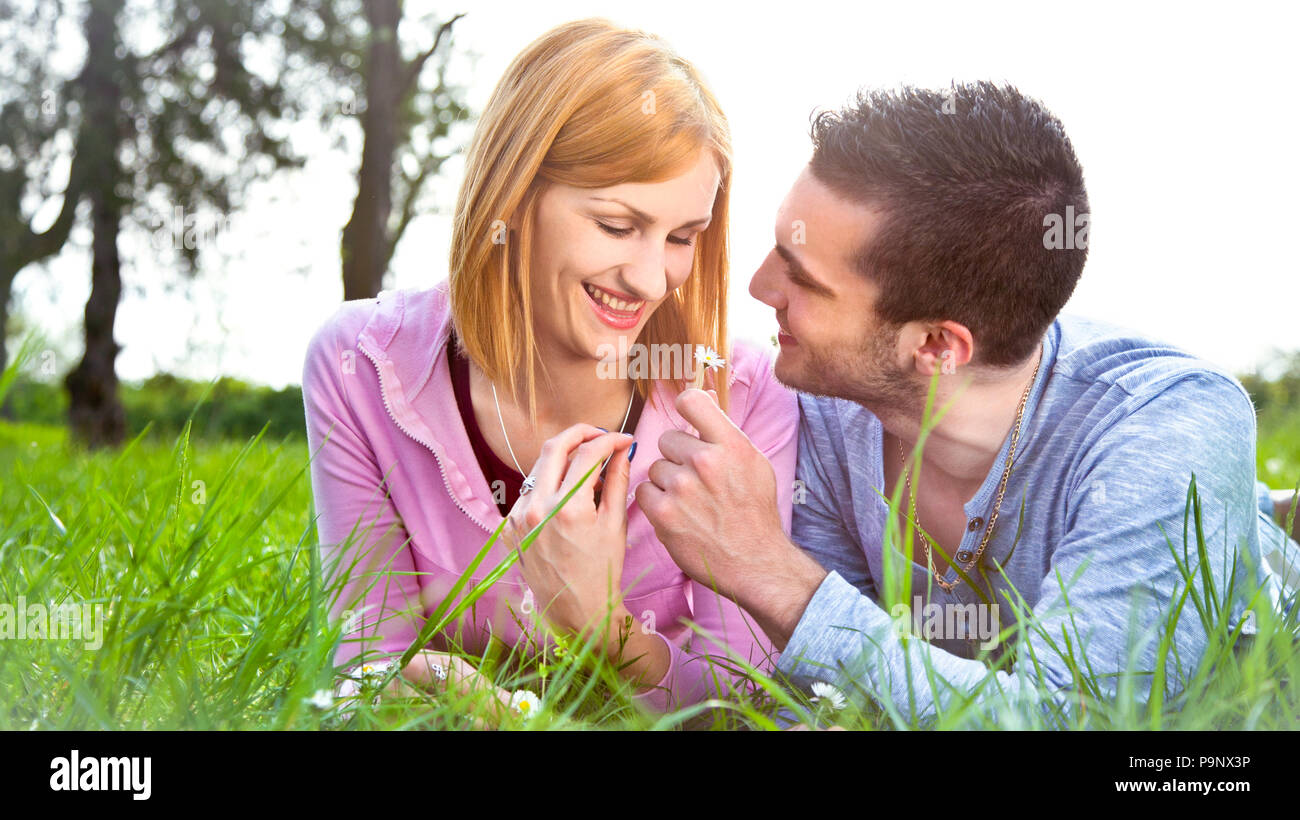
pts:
[963, 556]
[975, 523]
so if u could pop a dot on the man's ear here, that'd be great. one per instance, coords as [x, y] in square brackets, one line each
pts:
[947, 345]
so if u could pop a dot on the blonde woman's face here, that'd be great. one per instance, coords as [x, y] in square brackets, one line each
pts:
[605, 258]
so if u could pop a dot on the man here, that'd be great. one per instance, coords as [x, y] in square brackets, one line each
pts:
[934, 238]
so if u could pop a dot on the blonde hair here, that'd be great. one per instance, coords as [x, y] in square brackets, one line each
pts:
[591, 105]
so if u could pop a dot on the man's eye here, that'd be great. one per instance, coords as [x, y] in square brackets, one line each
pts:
[797, 278]
[612, 231]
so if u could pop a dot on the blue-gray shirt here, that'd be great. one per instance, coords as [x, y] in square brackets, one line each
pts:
[1114, 428]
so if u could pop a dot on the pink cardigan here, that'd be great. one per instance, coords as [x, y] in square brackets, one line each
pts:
[377, 374]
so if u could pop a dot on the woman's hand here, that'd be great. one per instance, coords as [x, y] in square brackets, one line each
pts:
[440, 672]
[575, 566]
[441, 675]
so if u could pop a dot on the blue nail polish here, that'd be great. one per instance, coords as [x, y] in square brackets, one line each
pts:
[631, 452]
[602, 429]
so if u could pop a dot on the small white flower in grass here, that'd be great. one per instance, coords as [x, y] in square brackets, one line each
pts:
[524, 703]
[321, 700]
[371, 671]
[365, 674]
[708, 357]
[829, 694]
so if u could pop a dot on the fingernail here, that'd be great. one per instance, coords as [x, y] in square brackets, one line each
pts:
[631, 452]
[602, 429]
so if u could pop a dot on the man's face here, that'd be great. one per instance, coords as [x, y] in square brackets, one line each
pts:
[832, 343]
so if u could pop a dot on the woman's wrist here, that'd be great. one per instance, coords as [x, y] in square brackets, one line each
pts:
[640, 655]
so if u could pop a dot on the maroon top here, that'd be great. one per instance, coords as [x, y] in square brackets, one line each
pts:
[494, 469]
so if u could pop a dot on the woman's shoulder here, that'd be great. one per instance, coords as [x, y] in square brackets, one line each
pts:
[343, 325]
[754, 386]
[382, 322]
[750, 361]
[334, 341]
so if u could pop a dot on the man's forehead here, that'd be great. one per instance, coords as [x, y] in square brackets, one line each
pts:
[820, 226]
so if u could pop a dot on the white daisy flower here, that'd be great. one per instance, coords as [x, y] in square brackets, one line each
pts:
[358, 676]
[524, 703]
[321, 700]
[829, 694]
[708, 357]
[371, 671]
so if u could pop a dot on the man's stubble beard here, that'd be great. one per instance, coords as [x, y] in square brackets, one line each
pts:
[865, 374]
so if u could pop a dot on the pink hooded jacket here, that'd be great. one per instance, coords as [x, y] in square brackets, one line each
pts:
[398, 469]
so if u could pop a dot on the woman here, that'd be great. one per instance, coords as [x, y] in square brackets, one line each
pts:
[592, 219]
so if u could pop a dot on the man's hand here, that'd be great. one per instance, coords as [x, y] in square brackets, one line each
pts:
[713, 503]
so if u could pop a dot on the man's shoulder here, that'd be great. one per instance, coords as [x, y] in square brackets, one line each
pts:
[832, 410]
[834, 426]
[1132, 367]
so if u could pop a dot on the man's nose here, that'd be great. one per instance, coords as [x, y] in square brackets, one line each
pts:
[761, 286]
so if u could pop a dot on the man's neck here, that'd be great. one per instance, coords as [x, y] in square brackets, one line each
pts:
[964, 445]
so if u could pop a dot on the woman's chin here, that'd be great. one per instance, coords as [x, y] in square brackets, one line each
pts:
[610, 346]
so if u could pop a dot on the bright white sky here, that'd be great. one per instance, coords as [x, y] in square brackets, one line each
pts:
[1182, 115]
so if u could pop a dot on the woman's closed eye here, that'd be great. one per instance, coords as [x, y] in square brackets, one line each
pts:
[612, 231]
[622, 232]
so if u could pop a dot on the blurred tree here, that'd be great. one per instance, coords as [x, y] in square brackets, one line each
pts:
[167, 127]
[176, 108]
[35, 145]
[405, 107]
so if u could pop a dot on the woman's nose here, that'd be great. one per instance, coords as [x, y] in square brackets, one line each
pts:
[646, 277]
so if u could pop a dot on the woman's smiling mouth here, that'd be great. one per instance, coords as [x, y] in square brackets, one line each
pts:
[614, 309]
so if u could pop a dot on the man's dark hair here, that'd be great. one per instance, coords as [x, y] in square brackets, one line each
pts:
[968, 180]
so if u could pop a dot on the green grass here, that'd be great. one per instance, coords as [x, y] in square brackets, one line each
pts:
[215, 604]
[215, 607]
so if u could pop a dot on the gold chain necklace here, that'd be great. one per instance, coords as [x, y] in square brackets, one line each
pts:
[997, 504]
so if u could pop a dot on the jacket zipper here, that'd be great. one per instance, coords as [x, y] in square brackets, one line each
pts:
[383, 392]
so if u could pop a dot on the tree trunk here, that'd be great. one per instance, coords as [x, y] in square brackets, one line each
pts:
[95, 412]
[6, 291]
[365, 237]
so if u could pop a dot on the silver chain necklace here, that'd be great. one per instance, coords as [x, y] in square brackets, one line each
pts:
[511, 450]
